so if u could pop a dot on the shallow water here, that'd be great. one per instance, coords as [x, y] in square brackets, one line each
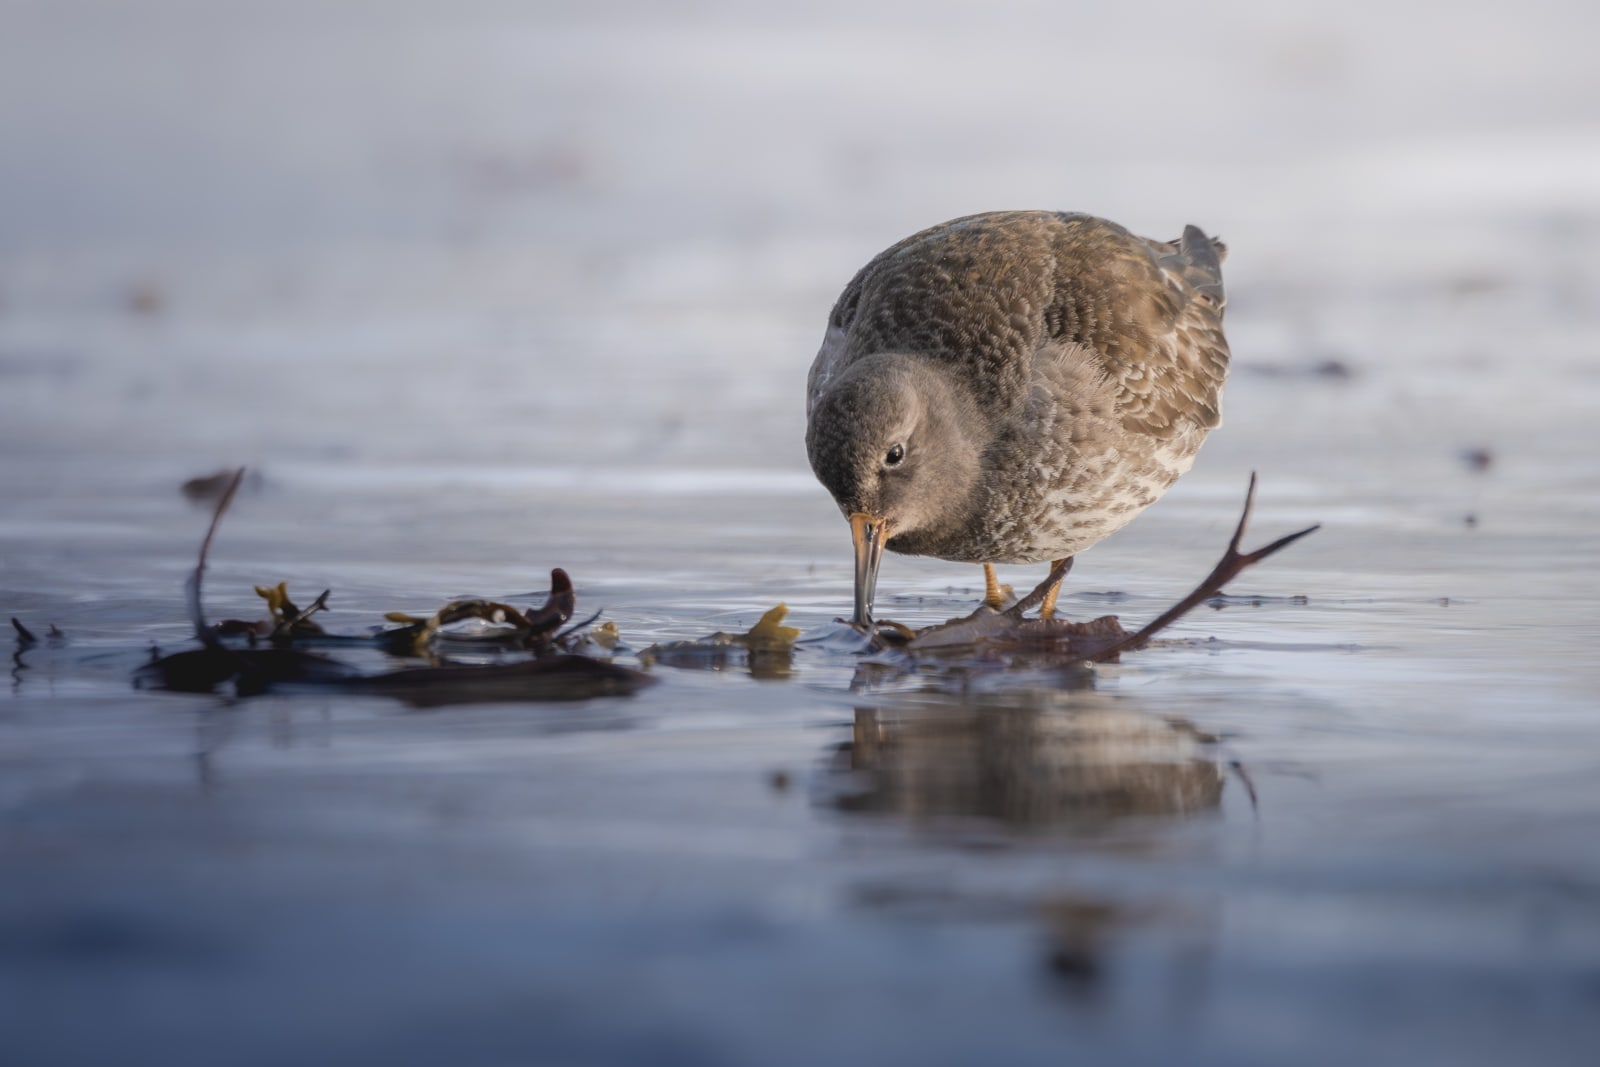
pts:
[569, 327]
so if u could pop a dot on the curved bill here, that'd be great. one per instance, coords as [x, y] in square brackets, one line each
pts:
[870, 534]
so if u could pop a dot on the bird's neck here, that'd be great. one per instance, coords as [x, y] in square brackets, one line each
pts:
[955, 420]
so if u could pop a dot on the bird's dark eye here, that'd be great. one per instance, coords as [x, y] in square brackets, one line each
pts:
[896, 454]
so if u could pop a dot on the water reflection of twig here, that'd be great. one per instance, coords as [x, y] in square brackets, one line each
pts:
[24, 641]
[214, 727]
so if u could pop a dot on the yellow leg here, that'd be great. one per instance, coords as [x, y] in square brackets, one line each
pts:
[1047, 610]
[994, 595]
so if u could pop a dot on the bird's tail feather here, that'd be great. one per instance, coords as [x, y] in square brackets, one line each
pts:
[1199, 259]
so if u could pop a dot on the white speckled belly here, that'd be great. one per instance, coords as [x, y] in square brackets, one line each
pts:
[1106, 493]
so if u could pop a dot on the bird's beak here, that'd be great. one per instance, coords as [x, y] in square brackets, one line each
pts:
[870, 533]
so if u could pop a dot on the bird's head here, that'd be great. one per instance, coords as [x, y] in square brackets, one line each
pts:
[893, 440]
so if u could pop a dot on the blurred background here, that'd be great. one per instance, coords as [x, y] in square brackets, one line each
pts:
[482, 288]
[509, 232]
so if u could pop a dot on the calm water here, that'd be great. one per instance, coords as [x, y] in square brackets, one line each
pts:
[516, 292]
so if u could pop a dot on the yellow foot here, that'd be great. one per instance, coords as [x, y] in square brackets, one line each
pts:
[1047, 610]
[995, 595]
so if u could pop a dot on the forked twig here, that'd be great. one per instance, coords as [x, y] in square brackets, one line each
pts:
[1229, 567]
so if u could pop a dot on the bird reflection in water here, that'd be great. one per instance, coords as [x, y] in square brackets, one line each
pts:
[1076, 768]
[1068, 774]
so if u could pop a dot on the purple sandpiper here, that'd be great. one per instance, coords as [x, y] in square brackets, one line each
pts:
[1013, 387]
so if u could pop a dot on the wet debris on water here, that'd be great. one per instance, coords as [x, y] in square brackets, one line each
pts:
[252, 671]
[985, 642]
[766, 649]
[558, 676]
[996, 626]
[559, 659]
[504, 624]
[1060, 641]
[272, 655]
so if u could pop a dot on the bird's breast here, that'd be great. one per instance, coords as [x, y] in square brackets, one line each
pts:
[1064, 502]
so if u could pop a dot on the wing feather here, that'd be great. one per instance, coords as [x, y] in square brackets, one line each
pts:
[989, 292]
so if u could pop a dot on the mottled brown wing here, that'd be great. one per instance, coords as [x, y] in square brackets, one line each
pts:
[1151, 311]
[987, 292]
[969, 292]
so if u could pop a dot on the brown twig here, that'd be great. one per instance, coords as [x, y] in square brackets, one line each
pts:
[1229, 567]
[196, 610]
